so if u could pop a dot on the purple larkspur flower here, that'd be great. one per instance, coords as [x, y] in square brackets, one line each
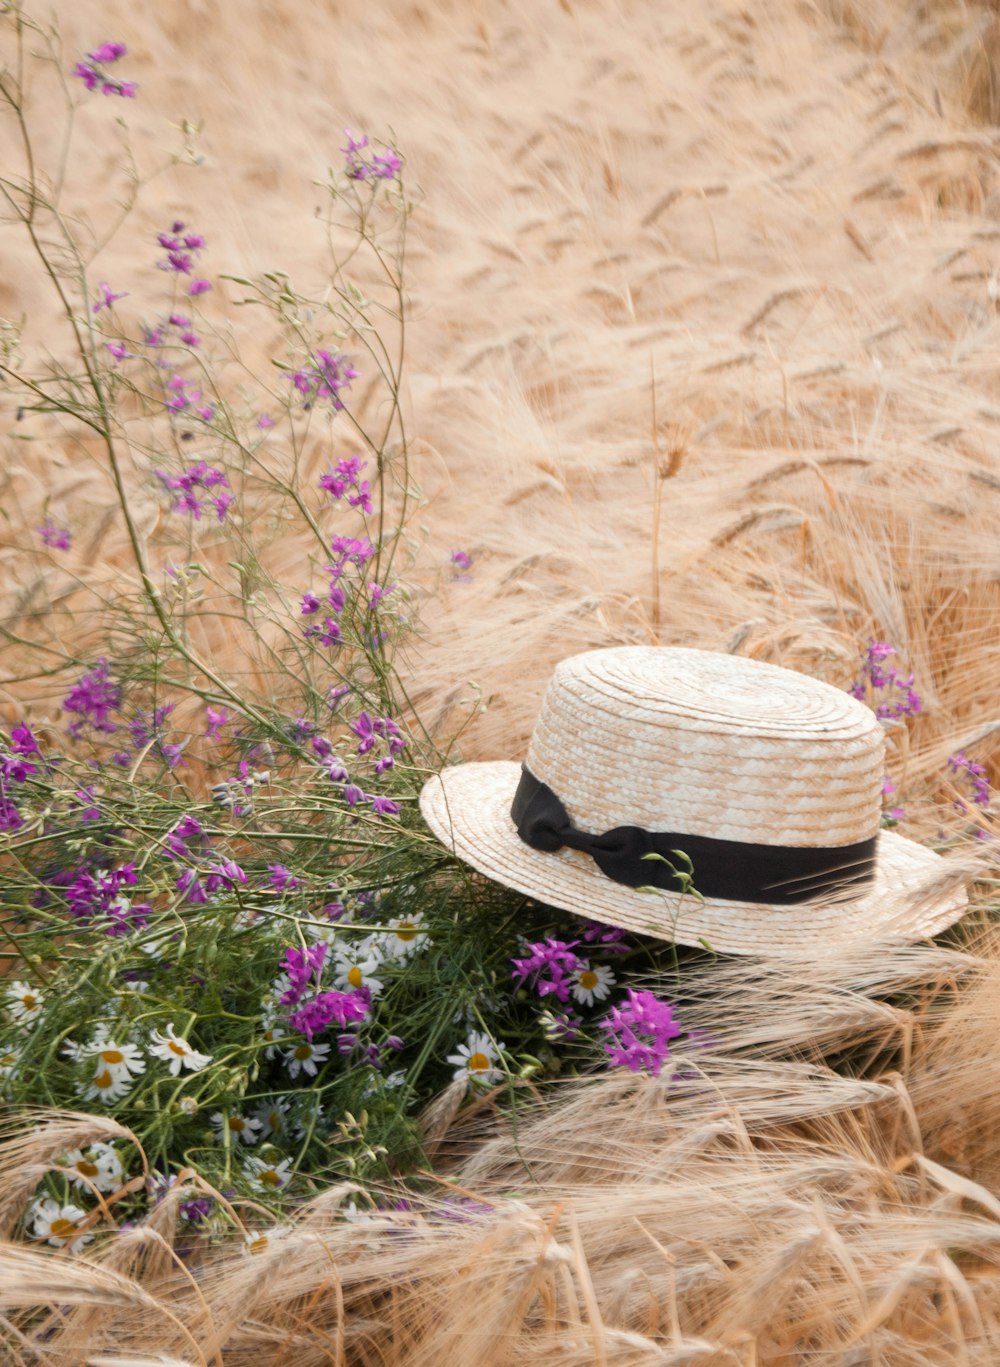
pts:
[282, 879]
[329, 1008]
[384, 806]
[55, 537]
[960, 764]
[324, 376]
[548, 966]
[890, 691]
[106, 298]
[301, 965]
[94, 699]
[384, 165]
[216, 718]
[638, 1033]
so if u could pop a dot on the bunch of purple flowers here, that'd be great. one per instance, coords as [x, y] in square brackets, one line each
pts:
[95, 75]
[898, 696]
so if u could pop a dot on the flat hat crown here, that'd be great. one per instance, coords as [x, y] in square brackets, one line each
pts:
[698, 743]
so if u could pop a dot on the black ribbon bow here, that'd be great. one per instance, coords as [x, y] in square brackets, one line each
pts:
[728, 870]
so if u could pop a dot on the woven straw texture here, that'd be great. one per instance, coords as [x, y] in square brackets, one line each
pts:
[706, 744]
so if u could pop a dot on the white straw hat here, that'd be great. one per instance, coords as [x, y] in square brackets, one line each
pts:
[765, 783]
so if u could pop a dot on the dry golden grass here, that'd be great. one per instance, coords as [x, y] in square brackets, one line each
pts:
[703, 351]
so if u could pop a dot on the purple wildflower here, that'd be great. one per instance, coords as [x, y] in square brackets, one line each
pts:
[106, 299]
[384, 806]
[384, 165]
[22, 741]
[548, 966]
[282, 879]
[639, 1033]
[217, 718]
[961, 764]
[94, 698]
[197, 1210]
[328, 634]
[327, 1008]
[899, 698]
[323, 377]
[55, 537]
[301, 965]
[264, 422]
[198, 287]
[345, 479]
[93, 74]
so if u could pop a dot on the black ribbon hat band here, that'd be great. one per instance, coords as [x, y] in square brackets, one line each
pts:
[728, 870]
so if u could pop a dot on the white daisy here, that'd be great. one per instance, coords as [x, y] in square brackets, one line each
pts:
[257, 1241]
[475, 1059]
[264, 1174]
[177, 1052]
[106, 1086]
[273, 1117]
[406, 938]
[356, 965]
[8, 1062]
[122, 1060]
[57, 1224]
[99, 1167]
[592, 984]
[23, 1001]
[305, 1058]
[242, 1129]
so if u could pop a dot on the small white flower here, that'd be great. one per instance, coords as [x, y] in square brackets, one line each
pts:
[57, 1224]
[305, 1058]
[475, 1059]
[357, 965]
[242, 1129]
[406, 938]
[106, 1086]
[592, 984]
[257, 1241]
[99, 1167]
[23, 1001]
[264, 1174]
[273, 1117]
[8, 1062]
[177, 1052]
[382, 1082]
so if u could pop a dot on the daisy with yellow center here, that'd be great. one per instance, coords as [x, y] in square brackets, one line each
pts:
[23, 1002]
[242, 1129]
[592, 984]
[177, 1052]
[121, 1060]
[258, 1241]
[476, 1058]
[273, 1117]
[99, 1167]
[8, 1062]
[269, 1176]
[106, 1086]
[58, 1224]
[356, 966]
[405, 938]
[305, 1058]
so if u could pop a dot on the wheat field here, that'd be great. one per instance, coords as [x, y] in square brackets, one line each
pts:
[702, 351]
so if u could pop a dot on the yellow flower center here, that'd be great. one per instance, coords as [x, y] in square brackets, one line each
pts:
[29, 1002]
[478, 1063]
[270, 1177]
[112, 1056]
[104, 1080]
[86, 1168]
[303, 1052]
[588, 979]
[258, 1245]
[61, 1228]
[355, 977]
[177, 1047]
[406, 930]
[274, 1119]
[237, 1123]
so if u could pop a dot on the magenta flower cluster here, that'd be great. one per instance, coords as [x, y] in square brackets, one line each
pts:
[304, 968]
[323, 377]
[192, 490]
[548, 967]
[890, 691]
[16, 768]
[362, 164]
[370, 730]
[638, 1033]
[346, 479]
[95, 75]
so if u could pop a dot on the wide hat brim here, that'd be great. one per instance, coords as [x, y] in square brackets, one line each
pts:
[914, 894]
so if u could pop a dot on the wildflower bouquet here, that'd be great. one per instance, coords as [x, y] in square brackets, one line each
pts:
[222, 925]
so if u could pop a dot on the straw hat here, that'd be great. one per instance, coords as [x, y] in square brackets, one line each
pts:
[761, 782]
